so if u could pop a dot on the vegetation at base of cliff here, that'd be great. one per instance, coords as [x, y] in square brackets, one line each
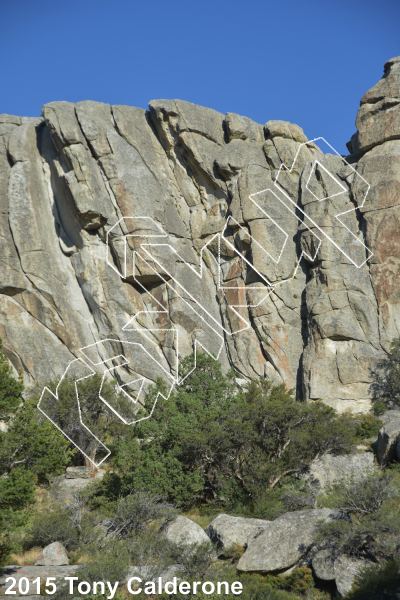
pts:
[208, 447]
[10, 388]
[30, 451]
[210, 443]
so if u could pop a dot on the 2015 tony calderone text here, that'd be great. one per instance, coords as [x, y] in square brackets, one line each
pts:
[135, 586]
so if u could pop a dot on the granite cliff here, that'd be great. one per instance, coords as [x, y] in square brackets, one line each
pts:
[320, 295]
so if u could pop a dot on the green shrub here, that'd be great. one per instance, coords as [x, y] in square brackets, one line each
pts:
[385, 387]
[368, 426]
[10, 388]
[379, 408]
[372, 524]
[377, 583]
[194, 559]
[210, 443]
[110, 562]
[53, 526]
[297, 582]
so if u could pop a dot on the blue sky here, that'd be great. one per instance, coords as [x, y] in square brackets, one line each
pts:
[304, 61]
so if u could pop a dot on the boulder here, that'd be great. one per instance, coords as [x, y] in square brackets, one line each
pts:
[225, 531]
[285, 541]
[330, 469]
[53, 555]
[77, 473]
[184, 531]
[62, 488]
[346, 568]
[388, 437]
[323, 564]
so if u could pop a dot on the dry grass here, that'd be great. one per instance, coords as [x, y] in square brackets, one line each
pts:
[28, 557]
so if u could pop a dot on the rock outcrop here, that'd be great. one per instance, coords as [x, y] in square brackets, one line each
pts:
[285, 541]
[287, 291]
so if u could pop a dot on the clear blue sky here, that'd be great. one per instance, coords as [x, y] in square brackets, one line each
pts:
[304, 61]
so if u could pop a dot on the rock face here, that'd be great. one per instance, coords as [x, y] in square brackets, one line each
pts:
[309, 300]
[330, 470]
[226, 531]
[285, 541]
[53, 555]
[184, 531]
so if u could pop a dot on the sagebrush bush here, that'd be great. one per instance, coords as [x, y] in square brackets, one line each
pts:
[53, 526]
[109, 562]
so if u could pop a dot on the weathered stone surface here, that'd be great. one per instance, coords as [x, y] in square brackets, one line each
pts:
[323, 564]
[10, 119]
[330, 470]
[184, 531]
[77, 473]
[285, 540]
[346, 568]
[226, 531]
[62, 487]
[284, 129]
[53, 555]
[242, 128]
[378, 119]
[388, 437]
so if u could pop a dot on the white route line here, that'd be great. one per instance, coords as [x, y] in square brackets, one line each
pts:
[283, 167]
[146, 248]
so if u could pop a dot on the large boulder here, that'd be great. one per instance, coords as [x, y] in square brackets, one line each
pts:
[53, 555]
[185, 532]
[329, 469]
[225, 531]
[346, 568]
[388, 437]
[285, 541]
